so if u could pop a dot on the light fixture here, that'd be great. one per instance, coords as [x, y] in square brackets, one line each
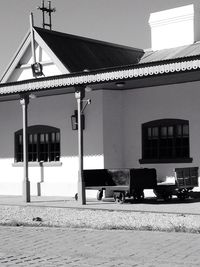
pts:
[120, 84]
[88, 89]
[32, 96]
[74, 120]
[37, 69]
[87, 102]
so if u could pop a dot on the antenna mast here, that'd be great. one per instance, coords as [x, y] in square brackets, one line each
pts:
[48, 10]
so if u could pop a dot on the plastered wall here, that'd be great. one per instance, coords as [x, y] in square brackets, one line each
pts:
[112, 135]
[113, 129]
[179, 101]
[54, 111]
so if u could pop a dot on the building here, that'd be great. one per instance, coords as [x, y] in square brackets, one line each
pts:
[144, 112]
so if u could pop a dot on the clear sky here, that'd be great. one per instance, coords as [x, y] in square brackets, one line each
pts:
[118, 21]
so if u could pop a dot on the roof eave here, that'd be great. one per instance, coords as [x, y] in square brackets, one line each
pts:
[103, 76]
[17, 56]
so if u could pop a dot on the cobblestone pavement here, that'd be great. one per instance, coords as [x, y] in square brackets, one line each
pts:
[35, 246]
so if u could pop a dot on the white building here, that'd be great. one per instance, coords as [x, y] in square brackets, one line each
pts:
[144, 112]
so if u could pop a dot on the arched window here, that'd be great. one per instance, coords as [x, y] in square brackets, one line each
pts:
[165, 140]
[43, 144]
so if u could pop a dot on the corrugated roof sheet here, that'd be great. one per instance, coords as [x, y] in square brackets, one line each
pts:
[171, 53]
[79, 53]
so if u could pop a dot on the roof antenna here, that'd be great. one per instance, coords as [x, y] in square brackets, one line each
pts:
[48, 10]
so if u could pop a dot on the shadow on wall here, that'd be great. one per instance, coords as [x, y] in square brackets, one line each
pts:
[53, 111]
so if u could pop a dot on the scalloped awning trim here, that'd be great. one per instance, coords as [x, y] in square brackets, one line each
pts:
[98, 77]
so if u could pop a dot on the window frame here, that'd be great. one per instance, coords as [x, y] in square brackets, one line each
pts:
[51, 150]
[165, 125]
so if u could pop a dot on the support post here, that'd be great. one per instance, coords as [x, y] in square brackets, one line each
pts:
[24, 101]
[80, 94]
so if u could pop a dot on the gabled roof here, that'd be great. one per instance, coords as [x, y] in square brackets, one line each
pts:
[80, 53]
[74, 54]
[107, 63]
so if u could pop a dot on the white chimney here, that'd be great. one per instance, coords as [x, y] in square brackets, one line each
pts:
[174, 27]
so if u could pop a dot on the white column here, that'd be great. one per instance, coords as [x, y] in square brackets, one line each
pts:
[24, 101]
[80, 94]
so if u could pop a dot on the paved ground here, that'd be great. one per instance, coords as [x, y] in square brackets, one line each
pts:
[38, 246]
[188, 206]
[27, 246]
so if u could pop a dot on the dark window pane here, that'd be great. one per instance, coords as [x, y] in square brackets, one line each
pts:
[179, 130]
[53, 137]
[163, 132]
[155, 132]
[57, 137]
[41, 138]
[149, 133]
[41, 146]
[166, 141]
[185, 130]
[35, 136]
[46, 138]
[20, 139]
[170, 131]
[30, 138]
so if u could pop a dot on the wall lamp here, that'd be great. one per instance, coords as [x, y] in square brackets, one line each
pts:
[87, 102]
[37, 69]
[74, 117]
[120, 84]
[32, 96]
[74, 120]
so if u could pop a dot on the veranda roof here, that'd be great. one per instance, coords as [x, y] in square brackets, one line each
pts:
[103, 76]
[109, 65]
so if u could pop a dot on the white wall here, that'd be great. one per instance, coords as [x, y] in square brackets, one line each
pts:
[113, 129]
[54, 111]
[173, 27]
[181, 101]
[112, 135]
[23, 70]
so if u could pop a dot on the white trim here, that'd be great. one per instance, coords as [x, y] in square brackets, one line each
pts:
[16, 58]
[27, 66]
[173, 15]
[22, 49]
[38, 164]
[50, 53]
[99, 77]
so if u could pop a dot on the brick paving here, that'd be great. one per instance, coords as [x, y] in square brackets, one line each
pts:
[40, 246]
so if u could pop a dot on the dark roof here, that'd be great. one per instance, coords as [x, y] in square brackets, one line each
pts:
[80, 53]
[171, 53]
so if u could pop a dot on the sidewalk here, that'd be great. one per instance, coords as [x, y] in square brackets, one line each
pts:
[153, 215]
[188, 206]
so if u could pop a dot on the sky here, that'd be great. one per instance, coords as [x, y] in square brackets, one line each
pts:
[118, 21]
